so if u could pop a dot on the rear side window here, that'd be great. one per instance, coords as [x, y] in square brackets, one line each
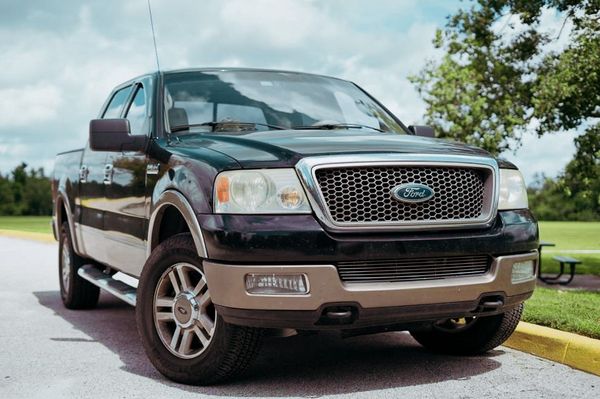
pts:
[136, 114]
[116, 104]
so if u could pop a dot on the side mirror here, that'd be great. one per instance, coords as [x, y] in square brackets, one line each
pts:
[114, 135]
[422, 131]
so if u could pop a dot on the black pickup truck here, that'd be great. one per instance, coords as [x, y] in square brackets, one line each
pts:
[243, 203]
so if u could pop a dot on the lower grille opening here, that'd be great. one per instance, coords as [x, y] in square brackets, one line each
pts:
[413, 269]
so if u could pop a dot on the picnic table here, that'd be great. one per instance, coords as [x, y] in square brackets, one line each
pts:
[563, 260]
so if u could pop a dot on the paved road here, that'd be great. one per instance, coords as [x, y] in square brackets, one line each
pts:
[47, 351]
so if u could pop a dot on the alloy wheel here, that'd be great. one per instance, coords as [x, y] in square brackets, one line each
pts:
[184, 315]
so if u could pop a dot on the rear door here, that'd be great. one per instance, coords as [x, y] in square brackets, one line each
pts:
[126, 214]
[92, 185]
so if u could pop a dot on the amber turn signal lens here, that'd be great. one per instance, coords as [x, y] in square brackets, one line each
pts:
[290, 197]
[223, 189]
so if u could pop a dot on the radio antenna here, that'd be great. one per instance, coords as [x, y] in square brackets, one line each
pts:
[153, 35]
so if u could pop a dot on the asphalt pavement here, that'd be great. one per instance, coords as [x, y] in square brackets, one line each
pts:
[47, 351]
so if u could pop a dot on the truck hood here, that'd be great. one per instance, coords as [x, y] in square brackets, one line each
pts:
[284, 148]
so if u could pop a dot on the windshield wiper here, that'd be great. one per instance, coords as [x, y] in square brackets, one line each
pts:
[213, 125]
[331, 126]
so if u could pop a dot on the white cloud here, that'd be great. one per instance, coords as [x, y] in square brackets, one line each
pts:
[546, 155]
[29, 104]
[281, 25]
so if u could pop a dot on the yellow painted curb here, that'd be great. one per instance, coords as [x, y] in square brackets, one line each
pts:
[574, 350]
[43, 237]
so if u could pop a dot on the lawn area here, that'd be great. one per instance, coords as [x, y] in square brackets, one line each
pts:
[571, 236]
[573, 311]
[32, 224]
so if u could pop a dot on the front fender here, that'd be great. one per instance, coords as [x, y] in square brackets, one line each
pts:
[179, 201]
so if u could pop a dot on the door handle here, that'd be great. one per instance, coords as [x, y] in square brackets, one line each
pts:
[108, 173]
[152, 168]
[83, 173]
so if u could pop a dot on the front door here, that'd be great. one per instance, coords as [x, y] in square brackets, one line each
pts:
[93, 175]
[126, 213]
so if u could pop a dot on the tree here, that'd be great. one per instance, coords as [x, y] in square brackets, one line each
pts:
[490, 85]
[25, 192]
[581, 180]
[7, 204]
[37, 194]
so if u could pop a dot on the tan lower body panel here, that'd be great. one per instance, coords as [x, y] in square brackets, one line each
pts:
[227, 287]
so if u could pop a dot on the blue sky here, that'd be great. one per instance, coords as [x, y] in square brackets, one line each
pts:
[60, 59]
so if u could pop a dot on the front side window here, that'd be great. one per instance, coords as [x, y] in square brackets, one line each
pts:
[268, 100]
[136, 114]
[115, 107]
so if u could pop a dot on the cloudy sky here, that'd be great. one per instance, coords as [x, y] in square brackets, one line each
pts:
[60, 59]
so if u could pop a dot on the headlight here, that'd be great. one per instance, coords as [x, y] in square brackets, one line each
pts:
[259, 191]
[513, 193]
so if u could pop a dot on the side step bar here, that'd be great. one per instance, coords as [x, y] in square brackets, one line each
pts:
[118, 288]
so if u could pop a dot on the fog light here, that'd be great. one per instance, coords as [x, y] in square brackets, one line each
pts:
[276, 284]
[522, 271]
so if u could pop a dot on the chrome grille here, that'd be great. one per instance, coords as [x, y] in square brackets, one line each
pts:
[413, 269]
[362, 194]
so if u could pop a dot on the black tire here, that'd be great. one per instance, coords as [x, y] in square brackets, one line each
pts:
[76, 293]
[483, 335]
[229, 352]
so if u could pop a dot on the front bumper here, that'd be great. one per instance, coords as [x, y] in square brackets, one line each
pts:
[370, 304]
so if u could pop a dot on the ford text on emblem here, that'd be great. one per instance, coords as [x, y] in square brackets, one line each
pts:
[181, 310]
[412, 192]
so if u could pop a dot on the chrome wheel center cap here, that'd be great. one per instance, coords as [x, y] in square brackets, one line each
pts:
[185, 309]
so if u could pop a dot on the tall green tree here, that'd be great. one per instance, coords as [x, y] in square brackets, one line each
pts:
[497, 76]
[7, 200]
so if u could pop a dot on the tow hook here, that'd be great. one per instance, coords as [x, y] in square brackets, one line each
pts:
[336, 315]
[489, 304]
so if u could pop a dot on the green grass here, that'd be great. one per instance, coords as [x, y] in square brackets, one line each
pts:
[32, 224]
[571, 235]
[573, 311]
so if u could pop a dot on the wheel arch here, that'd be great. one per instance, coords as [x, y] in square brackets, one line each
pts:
[63, 214]
[167, 202]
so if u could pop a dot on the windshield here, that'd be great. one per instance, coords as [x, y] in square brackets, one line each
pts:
[246, 101]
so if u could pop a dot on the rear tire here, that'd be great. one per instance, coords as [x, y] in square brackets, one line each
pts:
[482, 334]
[76, 293]
[182, 334]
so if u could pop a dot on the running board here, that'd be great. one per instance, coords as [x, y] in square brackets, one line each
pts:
[118, 288]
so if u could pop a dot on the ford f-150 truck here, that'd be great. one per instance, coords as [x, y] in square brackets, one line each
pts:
[248, 202]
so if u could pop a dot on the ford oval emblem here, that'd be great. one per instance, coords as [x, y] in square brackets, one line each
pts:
[412, 192]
